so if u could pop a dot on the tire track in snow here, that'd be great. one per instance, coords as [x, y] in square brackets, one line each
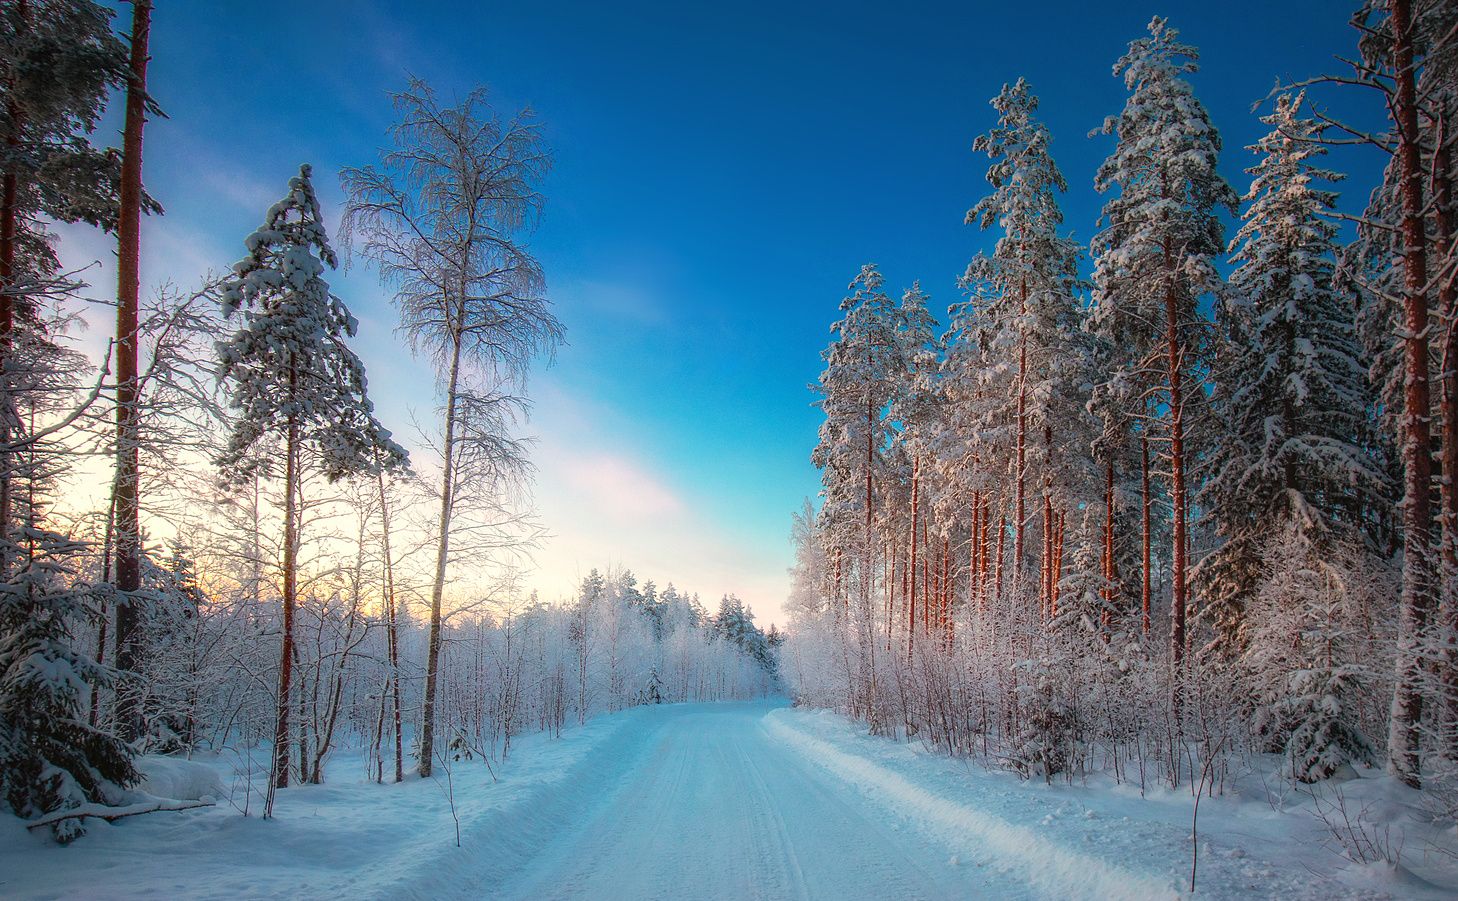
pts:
[719, 809]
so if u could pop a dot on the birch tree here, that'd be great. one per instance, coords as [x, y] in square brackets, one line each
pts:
[443, 219]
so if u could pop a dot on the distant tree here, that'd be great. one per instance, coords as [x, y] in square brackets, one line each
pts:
[294, 382]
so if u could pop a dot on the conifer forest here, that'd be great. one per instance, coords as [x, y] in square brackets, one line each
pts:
[1179, 497]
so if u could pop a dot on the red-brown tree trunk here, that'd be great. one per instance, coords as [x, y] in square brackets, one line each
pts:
[1403, 740]
[1022, 473]
[290, 599]
[1109, 564]
[1448, 499]
[127, 485]
[911, 595]
[9, 228]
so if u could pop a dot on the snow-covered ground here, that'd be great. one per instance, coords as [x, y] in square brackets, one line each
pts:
[743, 800]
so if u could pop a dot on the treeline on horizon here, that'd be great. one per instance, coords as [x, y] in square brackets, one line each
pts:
[1162, 519]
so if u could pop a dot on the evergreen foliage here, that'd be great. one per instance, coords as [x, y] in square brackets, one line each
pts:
[1291, 442]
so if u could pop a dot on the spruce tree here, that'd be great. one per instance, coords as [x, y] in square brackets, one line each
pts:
[1291, 443]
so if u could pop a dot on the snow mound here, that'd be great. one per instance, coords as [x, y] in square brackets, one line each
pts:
[181, 780]
[1049, 867]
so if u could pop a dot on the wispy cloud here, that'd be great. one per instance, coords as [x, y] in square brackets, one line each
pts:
[607, 503]
[619, 490]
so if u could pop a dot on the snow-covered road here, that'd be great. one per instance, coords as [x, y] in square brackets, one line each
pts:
[717, 801]
[716, 806]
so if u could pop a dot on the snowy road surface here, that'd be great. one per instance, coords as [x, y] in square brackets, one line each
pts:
[712, 801]
[717, 806]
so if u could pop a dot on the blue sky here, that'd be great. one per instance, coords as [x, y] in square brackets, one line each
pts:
[722, 172]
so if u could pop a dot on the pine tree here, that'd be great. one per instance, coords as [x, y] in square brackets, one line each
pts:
[58, 61]
[1156, 259]
[294, 382]
[1405, 243]
[917, 445]
[1025, 319]
[856, 389]
[126, 487]
[1292, 441]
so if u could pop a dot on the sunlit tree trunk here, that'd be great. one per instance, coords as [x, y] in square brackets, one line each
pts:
[127, 502]
[1403, 740]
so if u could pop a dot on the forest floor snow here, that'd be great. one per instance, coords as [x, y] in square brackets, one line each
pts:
[733, 800]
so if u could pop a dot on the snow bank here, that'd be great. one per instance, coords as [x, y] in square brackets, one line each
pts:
[1054, 870]
[182, 780]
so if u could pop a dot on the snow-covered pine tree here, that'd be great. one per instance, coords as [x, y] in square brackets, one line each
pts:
[863, 364]
[126, 486]
[1407, 321]
[294, 383]
[1019, 366]
[1155, 260]
[862, 375]
[58, 62]
[917, 444]
[1291, 438]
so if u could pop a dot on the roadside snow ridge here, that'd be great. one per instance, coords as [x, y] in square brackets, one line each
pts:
[1052, 869]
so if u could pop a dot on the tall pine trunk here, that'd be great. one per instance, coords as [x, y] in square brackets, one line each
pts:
[911, 596]
[1146, 585]
[280, 775]
[1416, 600]
[9, 228]
[127, 485]
[1448, 499]
[1022, 473]
[1109, 564]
